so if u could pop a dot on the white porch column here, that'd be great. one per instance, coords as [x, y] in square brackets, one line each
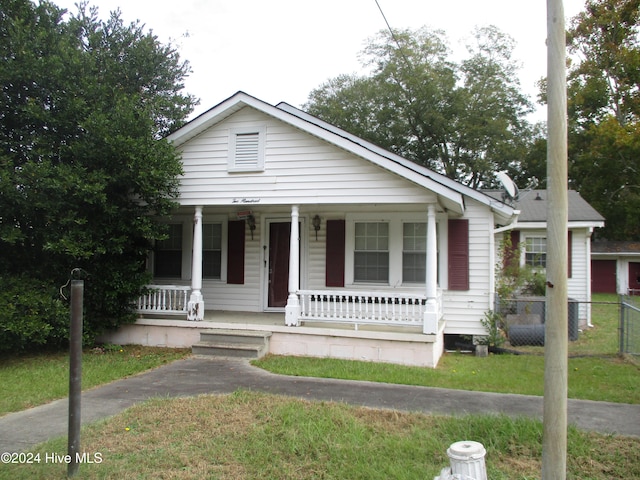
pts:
[195, 307]
[292, 310]
[431, 277]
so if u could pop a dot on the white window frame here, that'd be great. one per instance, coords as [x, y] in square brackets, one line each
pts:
[526, 252]
[180, 226]
[377, 251]
[414, 252]
[234, 134]
[205, 249]
[223, 221]
[395, 246]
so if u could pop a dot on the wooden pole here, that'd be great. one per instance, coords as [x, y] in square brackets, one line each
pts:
[554, 441]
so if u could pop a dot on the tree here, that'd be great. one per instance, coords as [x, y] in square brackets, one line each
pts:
[84, 174]
[492, 133]
[604, 111]
[416, 103]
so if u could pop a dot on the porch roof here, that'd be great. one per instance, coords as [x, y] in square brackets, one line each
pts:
[451, 194]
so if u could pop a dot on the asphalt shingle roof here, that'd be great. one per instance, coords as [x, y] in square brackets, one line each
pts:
[533, 206]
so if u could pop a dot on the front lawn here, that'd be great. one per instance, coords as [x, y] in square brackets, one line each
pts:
[34, 379]
[256, 436]
[596, 372]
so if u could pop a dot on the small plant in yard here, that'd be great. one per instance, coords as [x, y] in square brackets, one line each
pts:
[493, 324]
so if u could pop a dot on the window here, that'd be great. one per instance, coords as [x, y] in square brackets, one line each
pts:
[246, 149]
[414, 252]
[536, 251]
[371, 255]
[212, 250]
[168, 254]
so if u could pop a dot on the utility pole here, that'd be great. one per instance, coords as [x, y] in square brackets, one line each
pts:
[554, 440]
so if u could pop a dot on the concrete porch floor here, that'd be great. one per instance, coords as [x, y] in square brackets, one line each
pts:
[382, 343]
[258, 320]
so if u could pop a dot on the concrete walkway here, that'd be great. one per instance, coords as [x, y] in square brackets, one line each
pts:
[194, 376]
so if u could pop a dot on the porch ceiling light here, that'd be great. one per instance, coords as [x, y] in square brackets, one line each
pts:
[251, 221]
[317, 221]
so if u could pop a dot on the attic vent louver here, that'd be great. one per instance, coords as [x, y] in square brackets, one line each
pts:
[246, 149]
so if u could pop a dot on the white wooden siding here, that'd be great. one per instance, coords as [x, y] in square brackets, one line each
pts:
[463, 310]
[326, 180]
[299, 168]
[222, 296]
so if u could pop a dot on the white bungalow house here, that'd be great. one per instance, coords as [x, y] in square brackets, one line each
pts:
[530, 232]
[329, 244]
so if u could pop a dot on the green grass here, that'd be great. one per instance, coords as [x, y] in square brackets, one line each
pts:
[259, 436]
[595, 371]
[601, 339]
[30, 380]
[600, 379]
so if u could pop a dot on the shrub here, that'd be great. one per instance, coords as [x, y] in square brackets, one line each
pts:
[32, 315]
[493, 323]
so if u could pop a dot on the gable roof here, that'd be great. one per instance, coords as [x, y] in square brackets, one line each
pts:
[533, 208]
[451, 194]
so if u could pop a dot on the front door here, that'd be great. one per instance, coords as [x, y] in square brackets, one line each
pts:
[278, 266]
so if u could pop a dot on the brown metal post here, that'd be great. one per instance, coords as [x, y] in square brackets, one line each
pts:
[75, 375]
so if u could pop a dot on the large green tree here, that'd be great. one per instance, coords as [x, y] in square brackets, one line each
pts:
[84, 173]
[465, 120]
[604, 112]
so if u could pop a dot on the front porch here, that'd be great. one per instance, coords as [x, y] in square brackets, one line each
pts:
[296, 266]
[369, 342]
[349, 309]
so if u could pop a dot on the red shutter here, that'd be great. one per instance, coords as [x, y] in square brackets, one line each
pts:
[235, 252]
[458, 254]
[335, 253]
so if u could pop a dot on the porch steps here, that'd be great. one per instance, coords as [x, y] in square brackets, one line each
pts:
[232, 343]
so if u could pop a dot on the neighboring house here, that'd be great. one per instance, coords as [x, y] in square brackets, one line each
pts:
[615, 267]
[333, 245]
[530, 232]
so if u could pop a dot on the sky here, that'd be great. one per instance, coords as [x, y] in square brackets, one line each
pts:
[280, 50]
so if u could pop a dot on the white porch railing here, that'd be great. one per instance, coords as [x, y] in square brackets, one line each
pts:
[383, 308]
[169, 299]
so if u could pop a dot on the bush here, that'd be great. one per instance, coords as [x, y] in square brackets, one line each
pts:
[493, 323]
[32, 315]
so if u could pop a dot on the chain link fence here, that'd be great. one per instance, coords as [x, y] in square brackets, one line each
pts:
[630, 324]
[524, 319]
[593, 327]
